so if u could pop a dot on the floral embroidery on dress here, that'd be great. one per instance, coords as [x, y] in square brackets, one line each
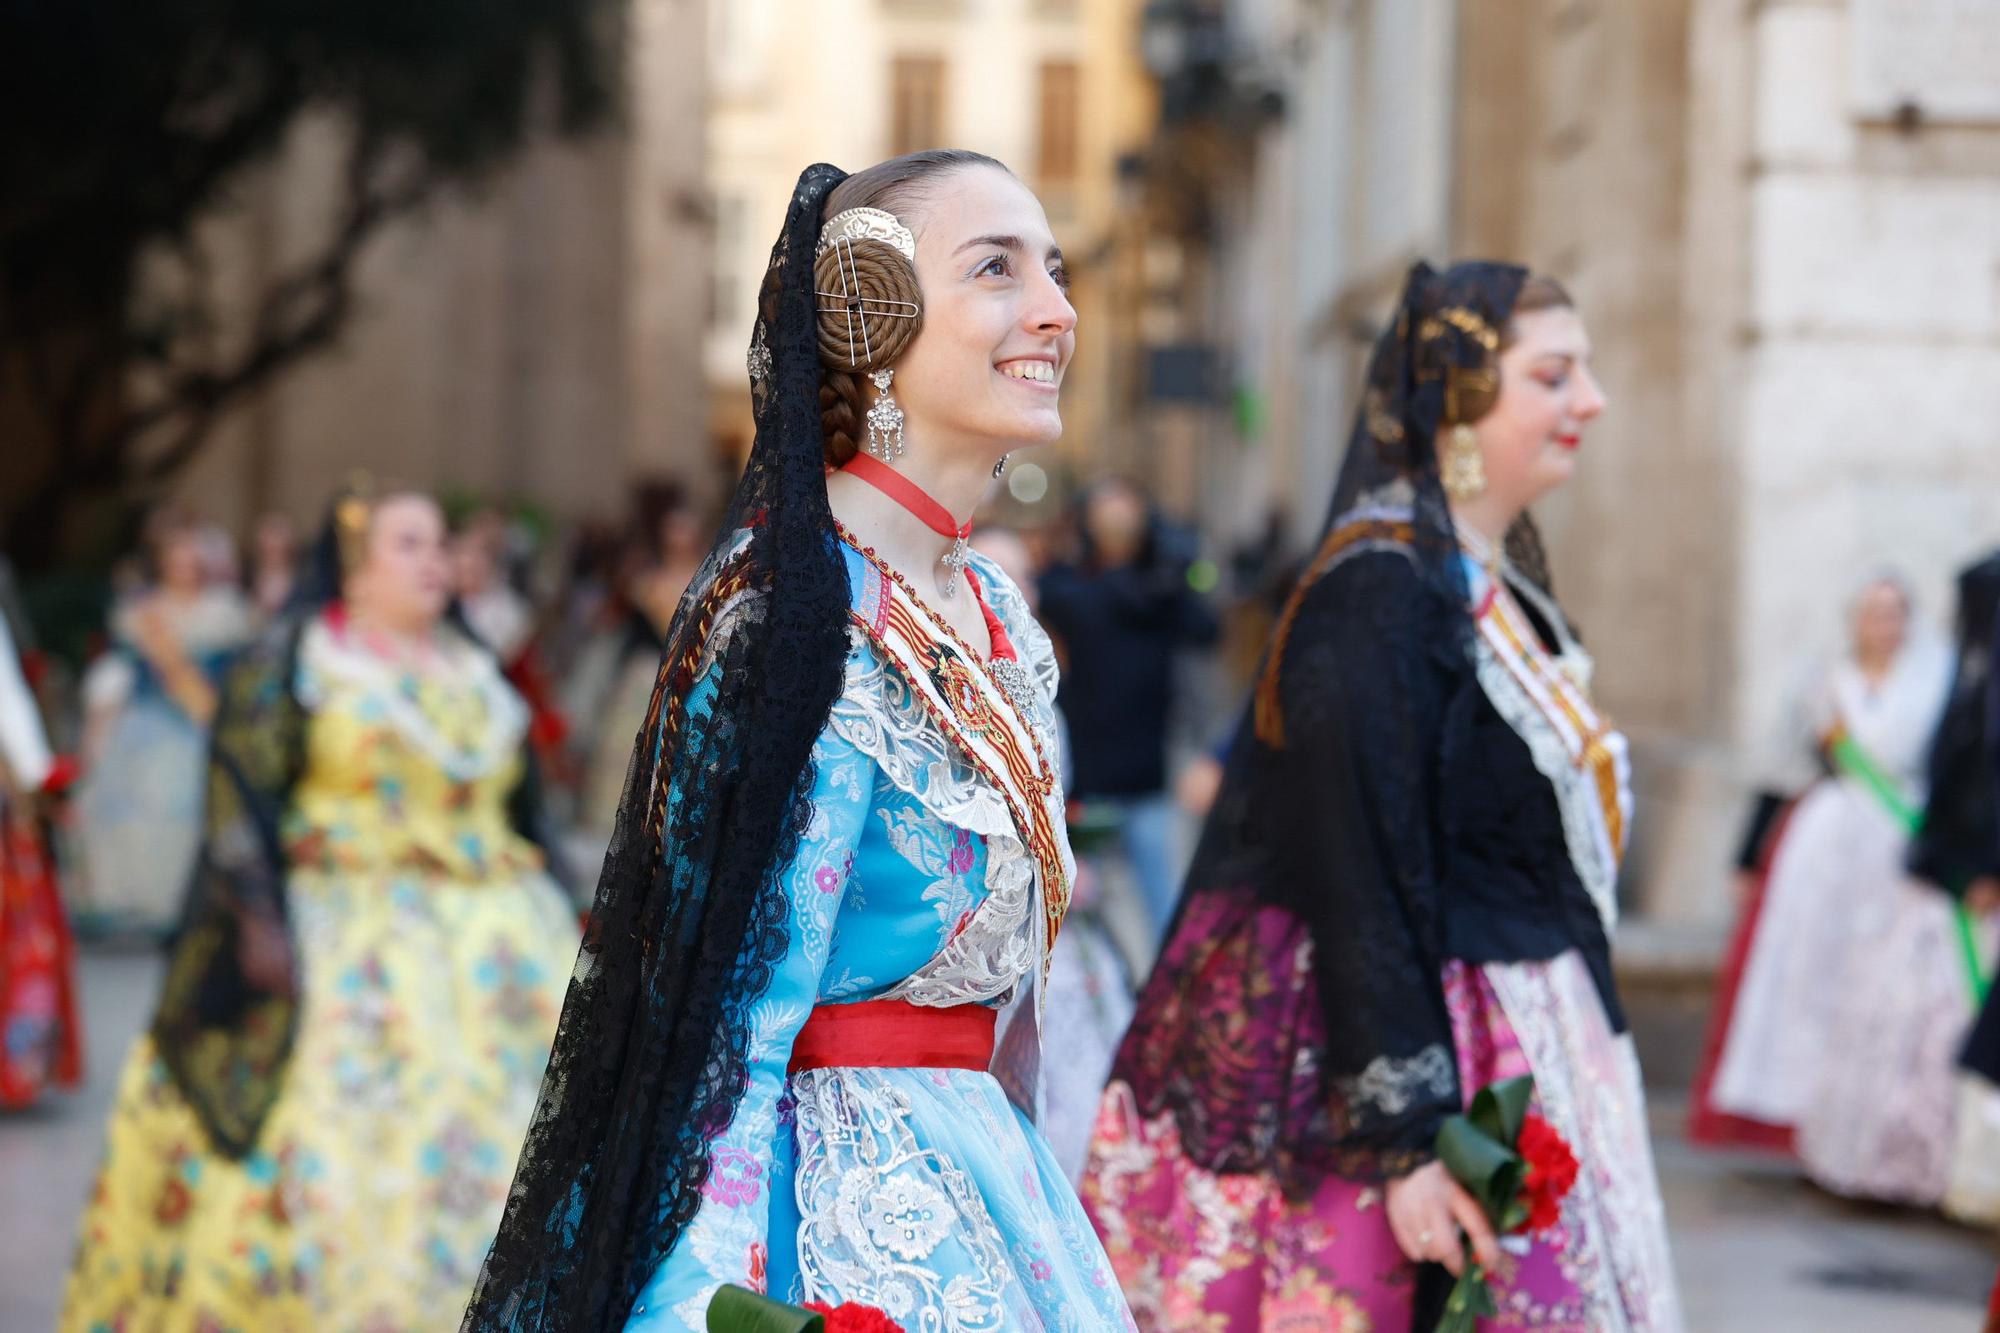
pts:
[903, 1215]
[921, 1192]
[735, 1178]
[1232, 1252]
[875, 1205]
[1588, 1083]
[941, 853]
[882, 716]
[434, 955]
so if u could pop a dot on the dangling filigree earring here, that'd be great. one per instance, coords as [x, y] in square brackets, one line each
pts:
[885, 420]
[1463, 470]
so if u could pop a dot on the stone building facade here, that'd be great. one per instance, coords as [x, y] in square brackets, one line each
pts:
[1782, 222]
[529, 339]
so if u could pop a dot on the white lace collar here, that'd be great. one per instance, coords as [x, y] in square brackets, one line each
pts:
[331, 661]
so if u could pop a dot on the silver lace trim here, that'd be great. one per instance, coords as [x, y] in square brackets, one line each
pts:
[325, 664]
[880, 715]
[875, 1206]
[1389, 1086]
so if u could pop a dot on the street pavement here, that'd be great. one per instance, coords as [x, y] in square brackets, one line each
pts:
[1757, 1250]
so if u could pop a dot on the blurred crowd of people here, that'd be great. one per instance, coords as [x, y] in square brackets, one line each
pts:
[1869, 880]
[158, 789]
[576, 620]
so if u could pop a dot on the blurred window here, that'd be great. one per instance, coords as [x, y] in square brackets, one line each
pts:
[1056, 161]
[916, 106]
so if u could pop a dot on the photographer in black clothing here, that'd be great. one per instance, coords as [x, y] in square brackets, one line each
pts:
[1119, 613]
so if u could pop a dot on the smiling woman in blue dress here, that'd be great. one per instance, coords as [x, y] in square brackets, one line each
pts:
[802, 1049]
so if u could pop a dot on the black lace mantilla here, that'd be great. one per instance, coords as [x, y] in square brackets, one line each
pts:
[1311, 928]
[690, 919]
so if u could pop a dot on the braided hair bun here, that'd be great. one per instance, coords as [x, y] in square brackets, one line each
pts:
[870, 309]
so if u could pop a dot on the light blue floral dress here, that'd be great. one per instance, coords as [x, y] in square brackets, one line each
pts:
[139, 804]
[927, 1193]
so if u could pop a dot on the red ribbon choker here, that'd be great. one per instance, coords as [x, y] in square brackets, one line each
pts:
[907, 494]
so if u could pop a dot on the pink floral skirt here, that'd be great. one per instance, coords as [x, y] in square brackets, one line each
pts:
[1199, 1252]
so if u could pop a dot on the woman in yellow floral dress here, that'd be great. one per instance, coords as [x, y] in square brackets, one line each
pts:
[319, 1130]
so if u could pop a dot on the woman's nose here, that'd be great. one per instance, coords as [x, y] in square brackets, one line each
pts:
[1590, 397]
[1051, 312]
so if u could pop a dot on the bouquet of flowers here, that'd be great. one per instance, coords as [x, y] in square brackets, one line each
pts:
[739, 1310]
[1519, 1169]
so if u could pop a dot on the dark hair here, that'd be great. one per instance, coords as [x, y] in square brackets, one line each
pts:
[1538, 292]
[892, 186]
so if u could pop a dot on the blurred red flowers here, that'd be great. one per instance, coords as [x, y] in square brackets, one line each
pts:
[852, 1318]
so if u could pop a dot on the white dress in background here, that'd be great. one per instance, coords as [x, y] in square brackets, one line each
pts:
[1836, 882]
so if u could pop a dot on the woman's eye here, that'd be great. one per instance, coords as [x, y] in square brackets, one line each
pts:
[995, 267]
[1060, 276]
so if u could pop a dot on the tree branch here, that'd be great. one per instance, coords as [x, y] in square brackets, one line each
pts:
[298, 315]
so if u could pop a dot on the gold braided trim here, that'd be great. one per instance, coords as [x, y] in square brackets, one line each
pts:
[966, 704]
[676, 679]
[1270, 709]
[1554, 691]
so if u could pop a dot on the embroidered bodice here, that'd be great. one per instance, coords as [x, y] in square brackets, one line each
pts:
[914, 880]
[1536, 676]
[1538, 793]
[406, 770]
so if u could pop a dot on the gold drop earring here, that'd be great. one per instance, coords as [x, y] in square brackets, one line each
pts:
[1464, 469]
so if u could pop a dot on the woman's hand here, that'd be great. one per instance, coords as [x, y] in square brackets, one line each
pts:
[264, 952]
[155, 638]
[1198, 785]
[1427, 1211]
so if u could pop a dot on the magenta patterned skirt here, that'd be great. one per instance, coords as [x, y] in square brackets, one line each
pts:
[1203, 1253]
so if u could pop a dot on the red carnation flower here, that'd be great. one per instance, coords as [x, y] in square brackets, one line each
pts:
[1551, 1171]
[852, 1318]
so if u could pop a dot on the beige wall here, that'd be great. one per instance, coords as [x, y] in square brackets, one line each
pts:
[1575, 156]
[1871, 412]
[528, 338]
[1798, 322]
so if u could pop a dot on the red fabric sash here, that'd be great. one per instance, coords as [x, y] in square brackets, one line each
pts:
[895, 1034]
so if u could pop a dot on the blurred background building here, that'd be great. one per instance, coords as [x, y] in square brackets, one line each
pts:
[536, 334]
[1782, 222]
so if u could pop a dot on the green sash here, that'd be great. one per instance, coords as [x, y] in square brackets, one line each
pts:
[1854, 762]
